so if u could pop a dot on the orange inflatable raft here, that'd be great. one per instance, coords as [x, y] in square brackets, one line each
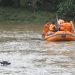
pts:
[60, 36]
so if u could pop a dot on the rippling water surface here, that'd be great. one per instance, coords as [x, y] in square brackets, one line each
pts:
[23, 47]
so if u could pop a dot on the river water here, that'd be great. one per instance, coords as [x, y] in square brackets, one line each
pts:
[23, 47]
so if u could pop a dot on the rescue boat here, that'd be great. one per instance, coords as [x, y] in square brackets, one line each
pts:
[60, 36]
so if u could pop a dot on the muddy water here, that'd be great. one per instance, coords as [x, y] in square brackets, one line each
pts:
[23, 47]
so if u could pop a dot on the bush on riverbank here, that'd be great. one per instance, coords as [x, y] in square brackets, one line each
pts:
[26, 16]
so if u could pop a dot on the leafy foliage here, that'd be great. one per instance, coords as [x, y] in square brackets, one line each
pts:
[7, 2]
[66, 9]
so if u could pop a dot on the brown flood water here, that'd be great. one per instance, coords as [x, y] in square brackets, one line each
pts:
[23, 47]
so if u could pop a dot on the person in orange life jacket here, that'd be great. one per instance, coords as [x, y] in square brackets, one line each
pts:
[45, 29]
[52, 29]
[49, 28]
[66, 26]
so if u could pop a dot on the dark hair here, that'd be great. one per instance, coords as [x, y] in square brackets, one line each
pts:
[48, 23]
[68, 20]
[53, 22]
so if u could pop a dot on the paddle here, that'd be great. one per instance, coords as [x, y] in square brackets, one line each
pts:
[57, 24]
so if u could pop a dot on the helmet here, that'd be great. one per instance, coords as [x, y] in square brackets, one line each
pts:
[60, 21]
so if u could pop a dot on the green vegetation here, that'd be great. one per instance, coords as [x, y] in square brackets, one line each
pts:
[66, 9]
[25, 16]
[36, 11]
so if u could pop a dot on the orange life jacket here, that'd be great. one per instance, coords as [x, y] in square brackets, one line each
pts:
[46, 28]
[66, 27]
[49, 28]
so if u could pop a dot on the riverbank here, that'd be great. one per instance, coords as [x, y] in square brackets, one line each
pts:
[24, 16]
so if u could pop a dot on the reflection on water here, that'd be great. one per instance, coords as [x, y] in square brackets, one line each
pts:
[29, 55]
